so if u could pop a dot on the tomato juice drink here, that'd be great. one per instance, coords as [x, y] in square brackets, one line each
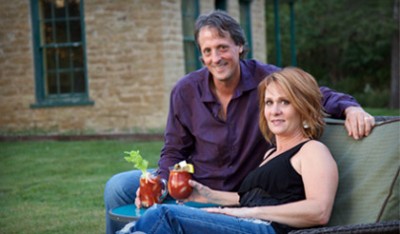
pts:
[178, 184]
[151, 190]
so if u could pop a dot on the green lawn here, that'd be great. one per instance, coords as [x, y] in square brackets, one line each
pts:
[383, 112]
[57, 187]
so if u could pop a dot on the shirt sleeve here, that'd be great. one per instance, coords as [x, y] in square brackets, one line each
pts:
[335, 103]
[177, 138]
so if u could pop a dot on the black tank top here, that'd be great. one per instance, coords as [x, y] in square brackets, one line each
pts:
[274, 183]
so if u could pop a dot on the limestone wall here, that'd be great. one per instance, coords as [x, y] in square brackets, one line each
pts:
[134, 57]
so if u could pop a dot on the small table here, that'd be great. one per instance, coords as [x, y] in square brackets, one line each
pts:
[130, 213]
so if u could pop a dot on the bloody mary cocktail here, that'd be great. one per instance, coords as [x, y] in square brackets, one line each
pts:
[178, 184]
[150, 190]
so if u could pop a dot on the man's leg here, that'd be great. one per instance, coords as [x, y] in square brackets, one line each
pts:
[120, 190]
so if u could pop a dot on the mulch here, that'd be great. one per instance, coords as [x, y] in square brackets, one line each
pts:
[133, 137]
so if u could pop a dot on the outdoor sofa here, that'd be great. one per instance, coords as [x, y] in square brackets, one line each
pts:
[367, 199]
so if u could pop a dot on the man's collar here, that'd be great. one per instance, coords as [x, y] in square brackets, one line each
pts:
[246, 83]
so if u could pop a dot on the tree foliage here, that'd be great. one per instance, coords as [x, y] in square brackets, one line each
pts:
[345, 45]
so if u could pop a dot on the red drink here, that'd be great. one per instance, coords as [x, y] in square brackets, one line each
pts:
[150, 190]
[178, 184]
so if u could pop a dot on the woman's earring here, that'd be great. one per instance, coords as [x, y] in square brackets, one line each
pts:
[305, 125]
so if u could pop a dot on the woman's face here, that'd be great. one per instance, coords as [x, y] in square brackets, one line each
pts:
[281, 116]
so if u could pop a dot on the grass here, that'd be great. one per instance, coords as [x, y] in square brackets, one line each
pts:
[57, 187]
[383, 112]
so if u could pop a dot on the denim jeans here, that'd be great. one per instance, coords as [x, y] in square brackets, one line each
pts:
[167, 218]
[120, 190]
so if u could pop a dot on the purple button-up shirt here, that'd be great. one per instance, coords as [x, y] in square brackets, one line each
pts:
[223, 152]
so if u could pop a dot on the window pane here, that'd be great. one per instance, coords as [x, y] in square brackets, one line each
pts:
[189, 51]
[60, 9]
[190, 56]
[188, 29]
[50, 58]
[61, 32]
[65, 82]
[63, 58]
[188, 17]
[51, 83]
[75, 30]
[73, 8]
[79, 82]
[48, 33]
[77, 57]
[220, 4]
[46, 9]
[245, 22]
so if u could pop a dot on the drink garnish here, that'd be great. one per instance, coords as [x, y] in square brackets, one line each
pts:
[139, 162]
[184, 166]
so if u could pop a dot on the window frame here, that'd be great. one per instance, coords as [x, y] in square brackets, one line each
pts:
[245, 22]
[55, 100]
[189, 38]
[221, 5]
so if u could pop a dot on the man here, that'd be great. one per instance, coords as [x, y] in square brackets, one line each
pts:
[213, 117]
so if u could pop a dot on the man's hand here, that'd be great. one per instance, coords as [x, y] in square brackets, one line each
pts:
[358, 122]
[138, 203]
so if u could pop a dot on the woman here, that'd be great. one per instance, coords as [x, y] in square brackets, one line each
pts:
[295, 185]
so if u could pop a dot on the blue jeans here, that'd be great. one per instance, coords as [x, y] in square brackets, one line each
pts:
[167, 218]
[120, 190]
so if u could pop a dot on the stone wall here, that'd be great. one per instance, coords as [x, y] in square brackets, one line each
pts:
[16, 66]
[134, 57]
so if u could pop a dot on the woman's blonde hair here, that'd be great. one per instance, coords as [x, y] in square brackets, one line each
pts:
[303, 93]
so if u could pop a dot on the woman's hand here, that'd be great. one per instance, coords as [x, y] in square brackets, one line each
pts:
[204, 194]
[200, 193]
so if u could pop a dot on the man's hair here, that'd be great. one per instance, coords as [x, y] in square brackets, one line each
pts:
[223, 23]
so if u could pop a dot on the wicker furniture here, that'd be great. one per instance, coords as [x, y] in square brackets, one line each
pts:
[367, 200]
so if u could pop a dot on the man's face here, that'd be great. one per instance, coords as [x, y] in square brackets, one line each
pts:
[219, 54]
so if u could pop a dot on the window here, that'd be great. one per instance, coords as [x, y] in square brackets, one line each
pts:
[245, 21]
[59, 53]
[190, 12]
[220, 5]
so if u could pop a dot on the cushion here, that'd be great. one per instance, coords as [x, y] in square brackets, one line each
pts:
[368, 189]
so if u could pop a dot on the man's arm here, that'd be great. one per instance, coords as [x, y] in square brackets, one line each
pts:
[178, 141]
[339, 105]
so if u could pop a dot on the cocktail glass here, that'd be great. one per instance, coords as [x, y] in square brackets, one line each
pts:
[152, 190]
[178, 184]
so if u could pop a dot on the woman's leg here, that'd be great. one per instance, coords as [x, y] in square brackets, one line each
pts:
[183, 219]
[120, 190]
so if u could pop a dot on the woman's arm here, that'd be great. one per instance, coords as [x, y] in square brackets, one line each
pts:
[204, 194]
[320, 176]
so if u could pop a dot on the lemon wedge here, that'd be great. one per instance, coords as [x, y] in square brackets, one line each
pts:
[183, 165]
[189, 168]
